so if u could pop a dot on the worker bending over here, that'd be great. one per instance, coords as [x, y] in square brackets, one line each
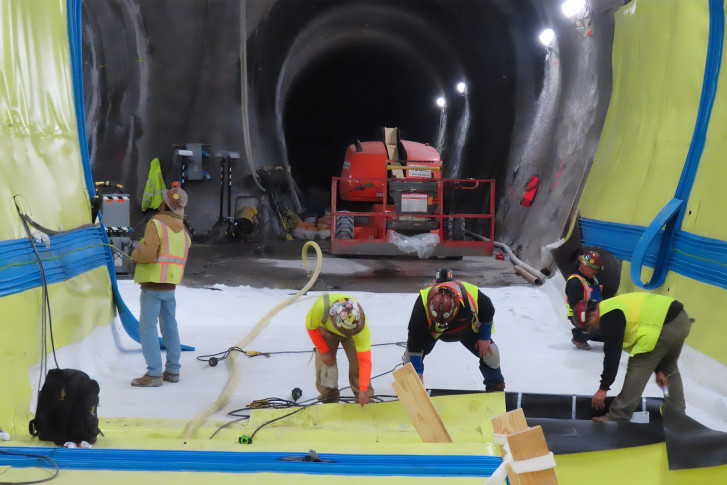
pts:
[337, 318]
[652, 329]
[454, 311]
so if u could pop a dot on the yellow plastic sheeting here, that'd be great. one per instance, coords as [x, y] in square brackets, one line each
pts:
[77, 305]
[701, 301]
[40, 158]
[706, 208]
[646, 465]
[466, 416]
[41, 169]
[642, 465]
[659, 53]
[659, 57]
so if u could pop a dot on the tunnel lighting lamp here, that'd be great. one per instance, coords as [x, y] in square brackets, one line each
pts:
[461, 87]
[571, 8]
[441, 102]
[547, 37]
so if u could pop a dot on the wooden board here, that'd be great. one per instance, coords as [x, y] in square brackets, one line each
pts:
[530, 444]
[419, 406]
[508, 423]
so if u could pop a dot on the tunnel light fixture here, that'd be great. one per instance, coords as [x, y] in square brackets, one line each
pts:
[461, 88]
[571, 8]
[441, 102]
[547, 37]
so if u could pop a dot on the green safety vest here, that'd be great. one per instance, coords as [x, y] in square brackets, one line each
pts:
[467, 298]
[645, 314]
[154, 187]
[169, 265]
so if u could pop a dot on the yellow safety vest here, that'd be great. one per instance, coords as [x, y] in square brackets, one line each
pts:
[153, 197]
[645, 314]
[169, 264]
[467, 299]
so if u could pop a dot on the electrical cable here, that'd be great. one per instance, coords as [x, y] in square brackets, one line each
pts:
[234, 372]
[45, 303]
[277, 403]
[32, 455]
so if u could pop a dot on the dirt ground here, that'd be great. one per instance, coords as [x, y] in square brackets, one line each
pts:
[279, 265]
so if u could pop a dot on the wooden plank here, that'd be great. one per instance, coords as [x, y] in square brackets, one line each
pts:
[419, 406]
[530, 444]
[508, 423]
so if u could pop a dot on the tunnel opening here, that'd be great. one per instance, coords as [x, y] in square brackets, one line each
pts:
[371, 79]
[351, 94]
[289, 85]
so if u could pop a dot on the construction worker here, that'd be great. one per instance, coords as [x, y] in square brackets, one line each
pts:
[339, 319]
[584, 285]
[454, 311]
[652, 329]
[160, 259]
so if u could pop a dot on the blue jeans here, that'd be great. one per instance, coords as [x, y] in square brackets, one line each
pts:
[159, 305]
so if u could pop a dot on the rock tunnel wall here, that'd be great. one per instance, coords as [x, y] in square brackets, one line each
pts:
[312, 77]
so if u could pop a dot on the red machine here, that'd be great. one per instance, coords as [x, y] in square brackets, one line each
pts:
[394, 194]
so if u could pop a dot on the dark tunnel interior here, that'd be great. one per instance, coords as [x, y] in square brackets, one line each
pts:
[290, 84]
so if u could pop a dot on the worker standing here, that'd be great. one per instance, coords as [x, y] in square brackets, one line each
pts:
[652, 329]
[454, 311]
[584, 285]
[339, 319]
[160, 259]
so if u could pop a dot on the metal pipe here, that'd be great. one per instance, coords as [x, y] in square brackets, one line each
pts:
[527, 275]
[514, 259]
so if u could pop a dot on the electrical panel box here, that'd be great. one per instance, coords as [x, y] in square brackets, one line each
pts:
[115, 211]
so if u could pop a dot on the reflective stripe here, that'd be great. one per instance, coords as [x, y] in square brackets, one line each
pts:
[165, 258]
[587, 291]
[171, 259]
[168, 266]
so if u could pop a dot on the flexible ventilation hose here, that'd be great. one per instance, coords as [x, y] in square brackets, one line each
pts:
[234, 373]
[513, 259]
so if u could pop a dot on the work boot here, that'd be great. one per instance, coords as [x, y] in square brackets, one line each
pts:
[581, 345]
[330, 398]
[497, 387]
[147, 381]
[168, 377]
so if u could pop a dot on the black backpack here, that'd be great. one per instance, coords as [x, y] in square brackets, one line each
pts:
[66, 408]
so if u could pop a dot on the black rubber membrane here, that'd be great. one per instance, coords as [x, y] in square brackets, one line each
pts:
[690, 444]
[567, 425]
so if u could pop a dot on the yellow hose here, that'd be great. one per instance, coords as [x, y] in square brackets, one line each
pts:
[234, 372]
